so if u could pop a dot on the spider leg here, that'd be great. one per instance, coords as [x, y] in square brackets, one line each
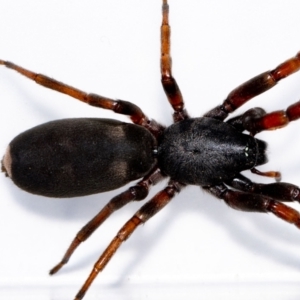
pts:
[281, 191]
[147, 211]
[169, 83]
[134, 193]
[254, 87]
[252, 113]
[255, 203]
[118, 106]
[256, 119]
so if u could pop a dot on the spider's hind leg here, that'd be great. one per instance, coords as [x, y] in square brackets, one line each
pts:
[118, 106]
[147, 211]
[134, 193]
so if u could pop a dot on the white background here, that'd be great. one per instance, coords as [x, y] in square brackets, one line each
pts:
[197, 247]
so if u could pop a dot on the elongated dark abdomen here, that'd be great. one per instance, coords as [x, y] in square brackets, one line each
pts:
[76, 157]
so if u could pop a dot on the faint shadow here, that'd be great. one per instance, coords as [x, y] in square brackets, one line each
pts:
[232, 222]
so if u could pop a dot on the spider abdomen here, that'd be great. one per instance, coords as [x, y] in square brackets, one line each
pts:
[205, 151]
[76, 157]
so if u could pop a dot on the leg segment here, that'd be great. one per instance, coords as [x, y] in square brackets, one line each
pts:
[254, 87]
[118, 106]
[273, 120]
[239, 121]
[168, 81]
[147, 211]
[134, 193]
[281, 191]
[255, 203]
[256, 119]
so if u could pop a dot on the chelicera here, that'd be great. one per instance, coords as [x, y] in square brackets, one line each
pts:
[98, 155]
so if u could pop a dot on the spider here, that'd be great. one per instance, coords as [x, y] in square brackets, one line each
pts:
[98, 155]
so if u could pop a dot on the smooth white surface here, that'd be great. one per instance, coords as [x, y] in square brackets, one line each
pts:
[197, 246]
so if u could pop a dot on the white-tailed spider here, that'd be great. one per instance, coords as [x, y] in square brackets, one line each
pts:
[76, 157]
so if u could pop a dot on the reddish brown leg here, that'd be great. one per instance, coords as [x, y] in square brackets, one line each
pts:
[281, 191]
[134, 193]
[256, 119]
[168, 81]
[118, 106]
[273, 120]
[256, 86]
[255, 203]
[147, 211]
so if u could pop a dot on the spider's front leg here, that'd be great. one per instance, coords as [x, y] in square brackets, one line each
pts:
[256, 119]
[118, 106]
[255, 203]
[282, 191]
[256, 86]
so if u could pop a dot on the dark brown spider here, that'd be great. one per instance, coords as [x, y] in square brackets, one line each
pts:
[202, 151]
